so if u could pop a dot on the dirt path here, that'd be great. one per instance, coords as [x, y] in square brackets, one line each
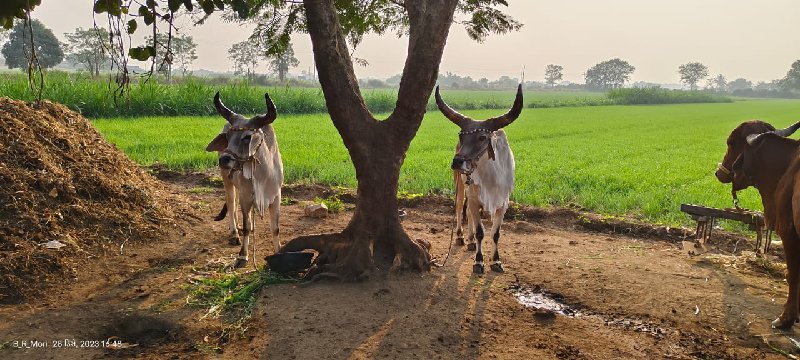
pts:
[628, 298]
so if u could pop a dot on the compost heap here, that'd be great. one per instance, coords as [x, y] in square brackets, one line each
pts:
[61, 182]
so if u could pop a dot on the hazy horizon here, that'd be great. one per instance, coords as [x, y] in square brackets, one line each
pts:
[735, 38]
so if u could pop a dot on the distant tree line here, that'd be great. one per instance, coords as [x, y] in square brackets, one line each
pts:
[88, 49]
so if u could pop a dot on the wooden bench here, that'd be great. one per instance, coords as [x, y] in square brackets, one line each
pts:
[705, 222]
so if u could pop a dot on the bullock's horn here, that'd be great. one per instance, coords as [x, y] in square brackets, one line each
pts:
[509, 117]
[752, 138]
[448, 112]
[221, 109]
[270, 116]
[789, 130]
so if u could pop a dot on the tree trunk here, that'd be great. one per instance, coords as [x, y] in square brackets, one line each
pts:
[374, 239]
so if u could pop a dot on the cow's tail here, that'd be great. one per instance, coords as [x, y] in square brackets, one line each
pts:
[222, 213]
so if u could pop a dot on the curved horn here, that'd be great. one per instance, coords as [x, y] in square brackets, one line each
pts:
[509, 117]
[789, 130]
[448, 112]
[269, 117]
[221, 109]
[752, 138]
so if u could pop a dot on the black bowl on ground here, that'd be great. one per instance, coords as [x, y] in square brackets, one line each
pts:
[289, 263]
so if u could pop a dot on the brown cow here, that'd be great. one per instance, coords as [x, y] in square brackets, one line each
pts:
[770, 162]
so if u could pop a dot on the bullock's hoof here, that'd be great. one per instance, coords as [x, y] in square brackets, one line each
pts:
[477, 269]
[783, 324]
[497, 267]
[460, 241]
[471, 247]
[234, 240]
[240, 263]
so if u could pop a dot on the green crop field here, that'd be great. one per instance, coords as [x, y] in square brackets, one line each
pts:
[642, 161]
[192, 96]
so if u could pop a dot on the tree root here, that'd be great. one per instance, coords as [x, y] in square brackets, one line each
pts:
[346, 256]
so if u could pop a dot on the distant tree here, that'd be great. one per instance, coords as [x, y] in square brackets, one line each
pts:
[792, 79]
[245, 56]
[184, 52]
[691, 73]
[484, 83]
[179, 50]
[87, 47]
[719, 83]
[281, 63]
[739, 84]
[504, 83]
[609, 74]
[552, 74]
[17, 50]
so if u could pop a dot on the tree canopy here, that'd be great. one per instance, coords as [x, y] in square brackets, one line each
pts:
[245, 56]
[281, 63]
[792, 79]
[691, 73]
[553, 73]
[88, 47]
[180, 50]
[19, 53]
[609, 74]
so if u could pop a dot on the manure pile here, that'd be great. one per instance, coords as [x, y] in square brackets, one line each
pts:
[61, 181]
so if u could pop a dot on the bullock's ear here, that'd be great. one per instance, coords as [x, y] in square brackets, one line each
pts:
[218, 144]
[255, 141]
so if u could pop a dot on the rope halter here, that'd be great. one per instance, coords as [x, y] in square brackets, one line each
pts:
[474, 160]
[251, 157]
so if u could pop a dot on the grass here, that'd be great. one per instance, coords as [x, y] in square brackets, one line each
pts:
[642, 96]
[619, 160]
[231, 295]
[93, 97]
[333, 203]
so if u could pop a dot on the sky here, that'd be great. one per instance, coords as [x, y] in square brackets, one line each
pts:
[754, 39]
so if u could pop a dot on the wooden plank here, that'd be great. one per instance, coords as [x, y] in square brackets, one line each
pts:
[745, 216]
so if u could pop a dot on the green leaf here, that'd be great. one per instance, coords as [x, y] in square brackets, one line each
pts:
[132, 26]
[148, 16]
[188, 4]
[142, 53]
[220, 5]
[208, 6]
[8, 22]
[174, 5]
[100, 6]
[113, 7]
[241, 8]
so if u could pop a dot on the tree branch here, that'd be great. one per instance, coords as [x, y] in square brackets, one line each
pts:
[429, 26]
[339, 84]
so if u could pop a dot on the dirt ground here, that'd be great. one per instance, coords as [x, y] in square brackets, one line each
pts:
[629, 297]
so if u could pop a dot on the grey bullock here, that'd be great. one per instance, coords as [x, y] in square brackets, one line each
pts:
[483, 172]
[250, 160]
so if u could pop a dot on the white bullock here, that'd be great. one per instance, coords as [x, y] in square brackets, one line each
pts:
[483, 172]
[250, 159]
